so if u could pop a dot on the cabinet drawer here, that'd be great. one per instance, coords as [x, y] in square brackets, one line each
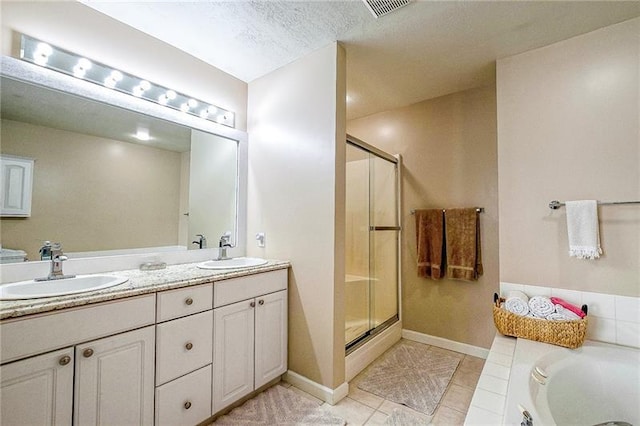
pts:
[36, 334]
[183, 345]
[184, 301]
[237, 289]
[185, 401]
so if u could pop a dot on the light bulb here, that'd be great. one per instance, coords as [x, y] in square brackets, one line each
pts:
[81, 67]
[204, 113]
[116, 75]
[145, 85]
[84, 63]
[192, 103]
[44, 49]
[171, 95]
[212, 110]
[78, 71]
[110, 82]
[184, 107]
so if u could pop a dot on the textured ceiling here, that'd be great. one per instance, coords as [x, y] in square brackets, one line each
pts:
[424, 50]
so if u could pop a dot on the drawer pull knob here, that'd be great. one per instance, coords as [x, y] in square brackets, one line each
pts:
[260, 302]
[87, 353]
[189, 301]
[187, 405]
[64, 360]
[189, 346]
[252, 304]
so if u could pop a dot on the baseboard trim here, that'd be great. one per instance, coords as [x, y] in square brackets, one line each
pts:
[328, 395]
[359, 359]
[446, 344]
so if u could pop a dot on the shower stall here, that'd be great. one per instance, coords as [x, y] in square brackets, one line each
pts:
[372, 242]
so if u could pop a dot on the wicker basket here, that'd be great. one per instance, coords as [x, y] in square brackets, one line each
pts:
[569, 334]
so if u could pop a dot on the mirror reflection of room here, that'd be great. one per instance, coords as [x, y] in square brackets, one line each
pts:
[107, 180]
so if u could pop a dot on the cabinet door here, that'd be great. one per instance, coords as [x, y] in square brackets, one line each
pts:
[15, 191]
[270, 337]
[114, 379]
[233, 352]
[38, 390]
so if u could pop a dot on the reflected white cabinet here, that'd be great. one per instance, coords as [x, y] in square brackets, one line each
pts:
[16, 186]
[38, 390]
[250, 336]
[114, 379]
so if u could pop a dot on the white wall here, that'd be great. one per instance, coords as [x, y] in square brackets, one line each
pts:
[568, 129]
[296, 196]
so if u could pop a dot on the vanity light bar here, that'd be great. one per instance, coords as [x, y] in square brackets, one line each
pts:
[52, 57]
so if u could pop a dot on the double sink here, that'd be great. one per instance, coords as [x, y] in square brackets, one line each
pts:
[33, 289]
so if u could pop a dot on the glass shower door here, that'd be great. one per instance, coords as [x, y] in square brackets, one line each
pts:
[372, 232]
[384, 234]
[357, 244]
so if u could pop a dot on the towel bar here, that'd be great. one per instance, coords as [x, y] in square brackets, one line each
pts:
[478, 209]
[555, 204]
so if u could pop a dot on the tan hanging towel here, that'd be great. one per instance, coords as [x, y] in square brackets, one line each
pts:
[429, 239]
[462, 234]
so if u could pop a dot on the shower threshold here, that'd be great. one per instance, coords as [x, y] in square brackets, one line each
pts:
[368, 335]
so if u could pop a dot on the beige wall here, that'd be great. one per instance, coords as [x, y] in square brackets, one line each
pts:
[296, 196]
[448, 147]
[78, 28]
[568, 130]
[92, 193]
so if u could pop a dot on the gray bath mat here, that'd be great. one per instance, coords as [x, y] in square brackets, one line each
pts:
[403, 418]
[411, 374]
[279, 406]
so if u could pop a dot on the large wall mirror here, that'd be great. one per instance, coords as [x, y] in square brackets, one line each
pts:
[109, 179]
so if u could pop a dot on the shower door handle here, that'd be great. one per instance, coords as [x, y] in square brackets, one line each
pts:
[385, 228]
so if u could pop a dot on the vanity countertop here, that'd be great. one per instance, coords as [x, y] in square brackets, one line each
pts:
[139, 283]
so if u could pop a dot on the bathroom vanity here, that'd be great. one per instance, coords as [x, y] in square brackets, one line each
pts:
[173, 346]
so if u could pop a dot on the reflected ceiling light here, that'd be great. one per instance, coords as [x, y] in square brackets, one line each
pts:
[142, 134]
[54, 58]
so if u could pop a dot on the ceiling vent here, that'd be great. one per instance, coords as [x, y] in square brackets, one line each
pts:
[384, 7]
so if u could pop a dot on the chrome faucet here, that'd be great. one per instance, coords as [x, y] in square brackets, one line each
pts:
[225, 241]
[201, 241]
[57, 257]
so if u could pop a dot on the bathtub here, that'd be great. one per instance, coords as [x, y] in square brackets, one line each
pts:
[593, 384]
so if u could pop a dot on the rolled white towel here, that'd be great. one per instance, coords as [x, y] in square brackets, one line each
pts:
[541, 306]
[566, 314]
[554, 316]
[517, 302]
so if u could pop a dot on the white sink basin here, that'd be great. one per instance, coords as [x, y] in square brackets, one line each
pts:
[81, 283]
[234, 263]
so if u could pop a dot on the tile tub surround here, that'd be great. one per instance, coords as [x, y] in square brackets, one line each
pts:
[612, 319]
[487, 405]
[140, 282]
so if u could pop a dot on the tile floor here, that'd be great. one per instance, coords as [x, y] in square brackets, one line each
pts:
[364, 408]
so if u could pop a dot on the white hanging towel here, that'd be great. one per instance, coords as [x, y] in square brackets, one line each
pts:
[582, 225]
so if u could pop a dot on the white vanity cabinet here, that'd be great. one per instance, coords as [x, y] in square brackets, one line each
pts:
[105, 380]
[250, 334]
